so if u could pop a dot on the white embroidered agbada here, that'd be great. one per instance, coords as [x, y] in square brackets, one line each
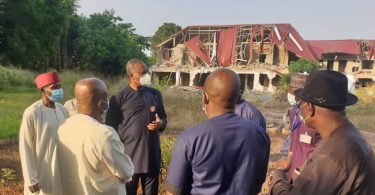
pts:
[37, 145]
[91, 158]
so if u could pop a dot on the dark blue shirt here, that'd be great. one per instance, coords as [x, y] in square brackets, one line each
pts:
[249, 111]
[130, 111]
[226, 154]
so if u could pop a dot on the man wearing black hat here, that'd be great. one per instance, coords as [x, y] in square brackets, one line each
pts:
[343, 162]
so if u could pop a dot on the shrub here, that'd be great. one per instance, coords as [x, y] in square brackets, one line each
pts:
[163, 84]
[302, 66]
[284, 80]
[15, 77]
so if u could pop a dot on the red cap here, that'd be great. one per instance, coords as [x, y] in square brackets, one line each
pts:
[45, 79]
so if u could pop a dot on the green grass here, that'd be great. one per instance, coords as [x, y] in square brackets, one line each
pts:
[183, 108]
[12, 103]
[18, 91]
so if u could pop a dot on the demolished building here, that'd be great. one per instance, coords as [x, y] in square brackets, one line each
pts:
[259, 53]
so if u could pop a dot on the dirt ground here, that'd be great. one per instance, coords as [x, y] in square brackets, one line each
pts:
[9, 155]
[9, 158]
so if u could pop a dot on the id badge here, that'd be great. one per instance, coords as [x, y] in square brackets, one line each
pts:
[305, 138]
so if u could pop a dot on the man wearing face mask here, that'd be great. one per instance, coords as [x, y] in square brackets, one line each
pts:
[137, 113]
[343, 162]
[226, 154]
[91, 155]
[303, 139]
[37, 137]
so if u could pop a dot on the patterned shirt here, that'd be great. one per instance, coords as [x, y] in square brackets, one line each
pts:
[343, 163]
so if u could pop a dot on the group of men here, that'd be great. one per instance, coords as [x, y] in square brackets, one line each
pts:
[227, 154]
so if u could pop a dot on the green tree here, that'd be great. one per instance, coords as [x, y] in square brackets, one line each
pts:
[104, 44]
[163, 33]
[2, 4]
[32, 32]
[302, 66]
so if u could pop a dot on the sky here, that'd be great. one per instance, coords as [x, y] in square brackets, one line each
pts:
[313, 19]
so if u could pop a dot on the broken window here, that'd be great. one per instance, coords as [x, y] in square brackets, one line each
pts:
[342, 65]
[367, 64]
[355, 69]
[330, 65]
[292, 57]
[276, 59]
[262, 58]
[264, 81]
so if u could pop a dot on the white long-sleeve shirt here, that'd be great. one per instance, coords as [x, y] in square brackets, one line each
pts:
[37, 145]
[91, 158]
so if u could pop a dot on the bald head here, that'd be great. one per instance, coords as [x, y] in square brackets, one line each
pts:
[223, 88]
[89, 92]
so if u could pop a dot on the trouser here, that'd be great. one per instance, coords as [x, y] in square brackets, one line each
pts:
[149, 182]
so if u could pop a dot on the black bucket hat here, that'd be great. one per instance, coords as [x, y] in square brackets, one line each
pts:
[327, 88]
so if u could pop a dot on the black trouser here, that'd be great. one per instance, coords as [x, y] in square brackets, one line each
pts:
[150, 184]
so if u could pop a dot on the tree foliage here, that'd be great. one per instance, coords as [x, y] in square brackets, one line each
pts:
[302, 66]
[104, 44]
[2, 5]
[32, 32]
[42, 35]
[163, 33]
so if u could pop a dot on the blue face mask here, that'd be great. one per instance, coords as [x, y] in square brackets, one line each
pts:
[57, 95]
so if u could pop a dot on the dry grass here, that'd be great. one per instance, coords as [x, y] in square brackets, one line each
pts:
[183, 108]
[362, 114]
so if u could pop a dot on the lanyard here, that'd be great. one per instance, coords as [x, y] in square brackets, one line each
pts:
[294, 125]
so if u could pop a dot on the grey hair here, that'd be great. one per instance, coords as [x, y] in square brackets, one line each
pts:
[130, 65]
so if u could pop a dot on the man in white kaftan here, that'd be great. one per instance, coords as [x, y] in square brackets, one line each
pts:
[71, 106]
[90, 154]
[37, 139]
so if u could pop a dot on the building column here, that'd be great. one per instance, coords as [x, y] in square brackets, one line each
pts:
[191, 79]
[178, 78]
[257, 85]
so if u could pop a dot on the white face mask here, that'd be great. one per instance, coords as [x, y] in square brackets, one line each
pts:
[145, 80]
[204, 109]
[300, 116]
[104, 106]
[291, 99]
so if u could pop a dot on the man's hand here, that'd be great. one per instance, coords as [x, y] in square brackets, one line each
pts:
[155, 125]
[34, 188]
[284, 163]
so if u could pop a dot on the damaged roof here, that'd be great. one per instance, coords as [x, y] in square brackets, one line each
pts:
[321, 47]
[228, 40]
